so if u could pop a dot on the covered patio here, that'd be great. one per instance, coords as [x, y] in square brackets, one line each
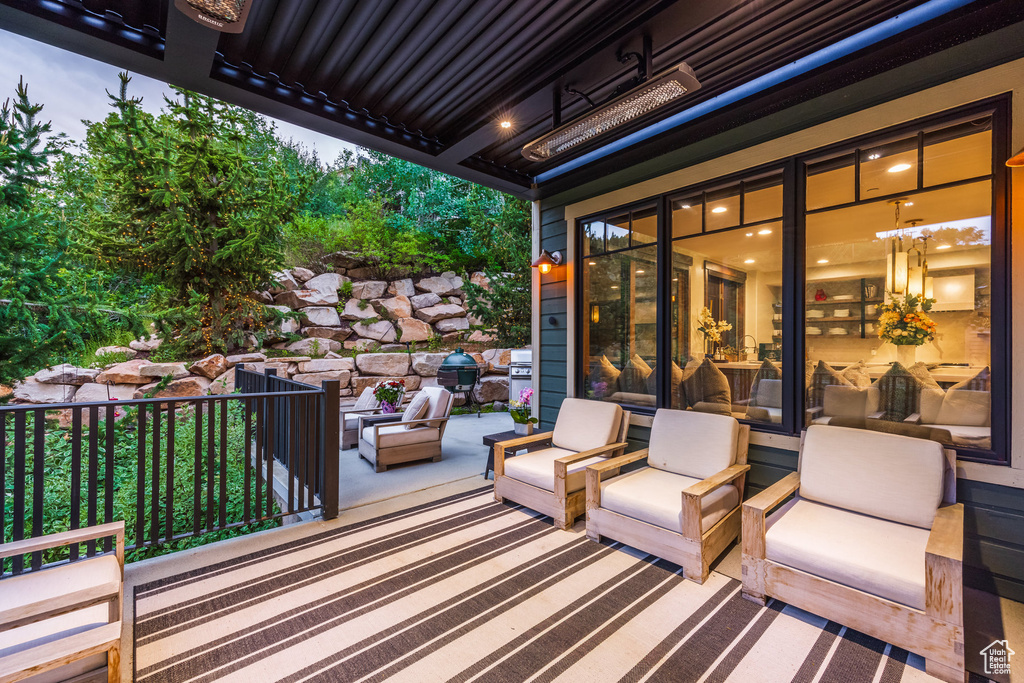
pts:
[734, 250]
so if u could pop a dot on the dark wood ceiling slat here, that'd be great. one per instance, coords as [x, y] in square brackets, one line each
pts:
[287, 26]
[347, 45]
[326, 22]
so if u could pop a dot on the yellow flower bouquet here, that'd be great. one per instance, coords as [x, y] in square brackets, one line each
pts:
[902, 323]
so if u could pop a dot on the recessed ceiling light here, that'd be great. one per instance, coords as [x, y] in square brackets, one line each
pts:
[685, 206]
[749, 260]
[639, 272]
[719, 209]
[750, 234]
[506, 124]
[909, 204]
[593, 263]
[898, 168]
[944, 246]
[823, 260]
[675, 279]
[615, 286]
[874, 156]
[765, 231]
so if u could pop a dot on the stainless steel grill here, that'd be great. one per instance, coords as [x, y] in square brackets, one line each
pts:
[520, 371]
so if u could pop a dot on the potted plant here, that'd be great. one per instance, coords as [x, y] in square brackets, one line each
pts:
[389, 394]
[903, 324]
[520, 412]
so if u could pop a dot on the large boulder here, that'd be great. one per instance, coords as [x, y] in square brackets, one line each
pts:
[402, 288]
[452, 325]
[287, 325]
[147, 345]
[320, 316]
[480, 337]
[412, 382]
[433, 314]
[424, 301]
[314, 378]
[453, 278]
[426, 364]
[302, 274]
[369, 289]
[353, 310]
[301, 298]
[360, 344]
[175, 370]
[327, 365]
[415, 330]
[179, 388]
[224, 384]
[329, 283]
[66, 373]
[383, 364]
[129, 353]
[282, 282]
[210, 367]
[245, 358]
[439, 285]
[125, 373]
[283, 367]
[490, 389]
[97, 393]
[314, 346]
[480, 280]
[382, 331]
[339, 333]
[36, 392]
[397, 306]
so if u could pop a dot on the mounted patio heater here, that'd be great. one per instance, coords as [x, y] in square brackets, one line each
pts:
[226, 16]
[650, 95]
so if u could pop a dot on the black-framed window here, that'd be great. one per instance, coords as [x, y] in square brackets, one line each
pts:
[792, 257]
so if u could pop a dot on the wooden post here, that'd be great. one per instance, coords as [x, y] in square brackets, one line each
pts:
[330, 443]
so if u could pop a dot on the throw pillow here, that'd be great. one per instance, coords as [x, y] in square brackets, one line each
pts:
[980, 382]
[767, 370]
[823, 376]
[417, 409]
[899, 393]
[633, 378]
[857, 375]
[602, 370]
[652, 379]
[920, 371]
[966, 408]
[640, 363]
[707, 384]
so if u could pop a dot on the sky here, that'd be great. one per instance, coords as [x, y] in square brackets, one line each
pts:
[72, 87]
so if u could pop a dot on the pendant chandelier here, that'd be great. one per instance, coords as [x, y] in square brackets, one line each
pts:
[897, 262]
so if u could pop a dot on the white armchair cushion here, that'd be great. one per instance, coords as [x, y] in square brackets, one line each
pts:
[656, 497]
[876, 556]
[583, 425]
[967, 408]
[538, 469]
[843, 401]
[398, 435]
[416, 409]
[893, 477]
[440, 403]
[692, 443]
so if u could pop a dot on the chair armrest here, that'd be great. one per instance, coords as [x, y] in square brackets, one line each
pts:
[562, 464]
[813, 413]
[48, 656]
[702, 488]
[56, 605]
[774, 494]
[513, 444]
[597, 471]
[913, 418]
[89, 533]
[944, 565]
[376, 420]
[753, 512]
[876, 415]
[425, 420]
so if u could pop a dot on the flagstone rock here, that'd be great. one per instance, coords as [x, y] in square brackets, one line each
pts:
[223, 384]
[398, 306]
[452, 325]
[339, 333]
[415, 330]
[98, 393]
[369, 289]
[383, 363]
[284, 368]
[426, 364]
[129, 353]
[403, 287]
[424, 300]
[301, 298]
[302, 274]
[320, 316]
[286, 326]
[176, 370]
[412, 382]
[353, 311]
[245, 358]
[262, 297]
[147, 345]
[480, 280]
[434, 314]
[282, 282]
[480, 337]
[360, 344]
[442, 286]
[125, 373]
[210, 367]
[328, 365]
[179, 388]
[382, 331]
[314, 346]
[314, 378]
[329, 283]
[32, 391]
[66, 373]
[490, 389]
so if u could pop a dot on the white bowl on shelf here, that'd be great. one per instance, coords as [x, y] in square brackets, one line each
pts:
[816, 313]
[837, 331]
[813, 331]
[841, 313]
[843, 297]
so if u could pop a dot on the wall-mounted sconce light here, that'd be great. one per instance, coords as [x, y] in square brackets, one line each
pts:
[547, 260]
[595, 314]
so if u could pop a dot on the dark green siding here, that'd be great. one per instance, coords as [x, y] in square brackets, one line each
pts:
[553, 305]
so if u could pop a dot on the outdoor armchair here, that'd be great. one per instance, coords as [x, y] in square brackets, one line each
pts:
[684, 506]
[873, 539]
[366, 404]
[413, 435]
[63, 622]
[552, 480]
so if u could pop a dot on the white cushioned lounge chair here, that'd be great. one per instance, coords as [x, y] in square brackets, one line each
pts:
[685, 505]
[366, 404]
[413, 435]
[552, 480]
[873, 540]
[63, 623]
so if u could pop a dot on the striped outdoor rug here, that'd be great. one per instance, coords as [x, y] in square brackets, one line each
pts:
[464, 589]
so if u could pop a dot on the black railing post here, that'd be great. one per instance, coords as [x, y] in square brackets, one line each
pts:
[330, 441]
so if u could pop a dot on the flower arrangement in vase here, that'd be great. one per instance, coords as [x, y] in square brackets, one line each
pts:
[520, 412]
[712, 330]
[389, 394]
[903, 324]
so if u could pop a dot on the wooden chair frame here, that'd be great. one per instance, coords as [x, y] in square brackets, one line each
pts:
[561, 505]
[30, 662]
[937, 632]
[382, 458]
[694, 549]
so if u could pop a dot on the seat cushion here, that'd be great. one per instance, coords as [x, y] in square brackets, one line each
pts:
[769, 393]
[538, 469]
[691, 443]
[893, 477]
[844, 401]
[656, 497]
[962, 435]
[582, 425]
[876, 556]
[398, 435]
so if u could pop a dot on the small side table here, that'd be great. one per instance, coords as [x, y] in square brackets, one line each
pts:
[492, 439]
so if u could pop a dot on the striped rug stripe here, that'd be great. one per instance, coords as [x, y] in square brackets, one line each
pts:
[464, 590]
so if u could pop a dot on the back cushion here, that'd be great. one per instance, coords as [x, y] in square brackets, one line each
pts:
[706, 384]
[966, 408]
[633, 378]
[892, 477]
[899, 393]
[366, 400]
[930, 405]
[691, 443]
[843, 401]
[440, 401]
[769, 393]
[417, 408]
[583, 425]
